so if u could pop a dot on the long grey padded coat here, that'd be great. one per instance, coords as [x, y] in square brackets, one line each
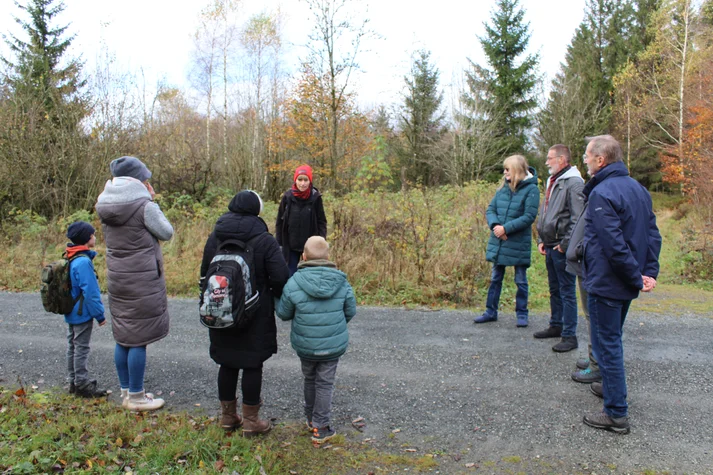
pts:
[132, 225]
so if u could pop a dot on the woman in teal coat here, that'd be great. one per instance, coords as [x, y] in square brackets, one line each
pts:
[510, 215]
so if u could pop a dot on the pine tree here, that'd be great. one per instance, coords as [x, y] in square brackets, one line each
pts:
[582, 95]
[43, 147]
[421, 121]
[37, 70]
[509, 84]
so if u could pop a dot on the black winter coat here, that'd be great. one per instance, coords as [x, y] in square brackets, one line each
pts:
[249, 347]
[298, 220]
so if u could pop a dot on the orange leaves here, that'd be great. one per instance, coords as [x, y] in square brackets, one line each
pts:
[326, 131]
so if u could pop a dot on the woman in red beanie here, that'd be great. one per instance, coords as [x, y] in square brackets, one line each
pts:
[301, 215]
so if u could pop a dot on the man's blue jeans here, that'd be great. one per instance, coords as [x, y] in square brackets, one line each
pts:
[563, 293]
[496, 285]
[606, 317]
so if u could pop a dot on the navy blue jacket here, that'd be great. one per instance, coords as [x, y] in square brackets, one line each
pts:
[621, 240]
[515, 211]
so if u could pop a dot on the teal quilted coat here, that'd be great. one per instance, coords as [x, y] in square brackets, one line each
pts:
[516, 212]
[319, 301]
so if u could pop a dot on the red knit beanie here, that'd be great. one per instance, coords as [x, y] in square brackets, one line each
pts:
[303, 170]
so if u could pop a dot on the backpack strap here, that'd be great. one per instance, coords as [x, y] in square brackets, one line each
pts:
[230, 242]
[79, 299]
[237, 242]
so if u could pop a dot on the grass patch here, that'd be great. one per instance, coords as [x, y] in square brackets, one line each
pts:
[52, 432]
[419, 248]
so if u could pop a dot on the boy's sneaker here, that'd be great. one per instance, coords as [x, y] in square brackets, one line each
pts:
[601, 420]
[521, 321]
[583, 363]
[587, 376]
[310, 427]
[90, 390]
[321, 435]
[596, 389]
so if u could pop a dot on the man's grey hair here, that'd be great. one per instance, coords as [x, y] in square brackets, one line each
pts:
[606, 146]
[561, 150]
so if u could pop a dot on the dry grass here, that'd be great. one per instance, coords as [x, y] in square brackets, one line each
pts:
[418, 248]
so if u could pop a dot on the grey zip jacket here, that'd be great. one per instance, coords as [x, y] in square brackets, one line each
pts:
[133, 225]
[558, 217]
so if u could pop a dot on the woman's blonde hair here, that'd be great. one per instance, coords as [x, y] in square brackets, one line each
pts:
[517, 164]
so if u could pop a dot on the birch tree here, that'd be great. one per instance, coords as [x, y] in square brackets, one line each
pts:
[335, 43]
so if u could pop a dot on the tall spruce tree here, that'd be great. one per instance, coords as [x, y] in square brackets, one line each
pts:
[42, 145]
[38, 69]
[582, 94]
[509, 82]
[422, 122]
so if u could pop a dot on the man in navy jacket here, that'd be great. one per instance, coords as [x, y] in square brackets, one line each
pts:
[621, 251]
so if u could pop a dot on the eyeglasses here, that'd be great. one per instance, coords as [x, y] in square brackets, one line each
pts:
[506, 169]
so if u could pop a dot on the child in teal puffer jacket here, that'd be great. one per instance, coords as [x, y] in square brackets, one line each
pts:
[320, 302]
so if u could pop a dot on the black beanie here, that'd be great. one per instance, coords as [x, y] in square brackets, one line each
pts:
[246, 202]
[80, 232]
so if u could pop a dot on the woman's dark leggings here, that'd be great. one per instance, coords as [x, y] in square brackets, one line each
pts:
[251, 384]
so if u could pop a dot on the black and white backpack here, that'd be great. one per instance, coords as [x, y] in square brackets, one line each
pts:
[229, 296]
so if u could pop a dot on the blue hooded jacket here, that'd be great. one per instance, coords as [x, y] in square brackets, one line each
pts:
[621, 239]
[84, 282]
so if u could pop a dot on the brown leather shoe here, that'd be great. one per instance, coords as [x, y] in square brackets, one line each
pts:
[230, 420]
[252, 424]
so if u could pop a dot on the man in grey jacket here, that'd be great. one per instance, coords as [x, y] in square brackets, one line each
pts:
[561, 207]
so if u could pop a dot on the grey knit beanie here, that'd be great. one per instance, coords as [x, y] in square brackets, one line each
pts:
[130, 166]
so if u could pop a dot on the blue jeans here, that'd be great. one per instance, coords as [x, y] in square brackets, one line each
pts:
[130, 365]
[563, 293]
[78, 337]
[606, 317]
[294, 260]
[496, 285]
[318, 390]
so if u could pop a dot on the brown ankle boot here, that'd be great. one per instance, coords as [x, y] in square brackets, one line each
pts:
[230, 420]
[253, 425]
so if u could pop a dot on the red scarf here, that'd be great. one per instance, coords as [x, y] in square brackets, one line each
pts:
[302, 195]
[74, 250]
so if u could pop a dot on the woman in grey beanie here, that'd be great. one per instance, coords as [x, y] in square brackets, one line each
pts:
[133, 225]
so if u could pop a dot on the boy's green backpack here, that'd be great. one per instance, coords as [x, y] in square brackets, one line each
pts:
[56, 287]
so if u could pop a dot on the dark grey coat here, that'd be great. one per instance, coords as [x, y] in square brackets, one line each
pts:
[557, 219]
[132, 225]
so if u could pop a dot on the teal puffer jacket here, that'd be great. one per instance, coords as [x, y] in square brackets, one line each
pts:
[319, 301]
[515, 212]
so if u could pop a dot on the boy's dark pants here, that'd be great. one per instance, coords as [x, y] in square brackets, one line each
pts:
[78, 337]
[319, 388]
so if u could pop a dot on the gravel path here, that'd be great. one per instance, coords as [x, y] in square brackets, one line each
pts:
[490, 394]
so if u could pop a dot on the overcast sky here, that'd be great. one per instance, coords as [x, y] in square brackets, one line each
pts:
[155, 35]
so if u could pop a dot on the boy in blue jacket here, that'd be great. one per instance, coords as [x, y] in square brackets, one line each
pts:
[320, 302]
[89, 306]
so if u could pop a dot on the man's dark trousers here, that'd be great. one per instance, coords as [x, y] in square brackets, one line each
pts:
[606, 316]
[563, 293]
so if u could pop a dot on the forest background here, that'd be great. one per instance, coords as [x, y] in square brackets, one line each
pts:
[406, 184]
